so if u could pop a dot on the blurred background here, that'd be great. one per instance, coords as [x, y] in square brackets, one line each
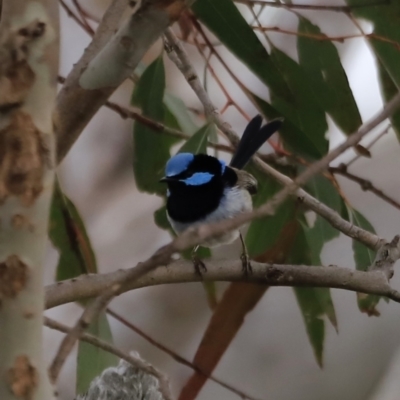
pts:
[271, 357]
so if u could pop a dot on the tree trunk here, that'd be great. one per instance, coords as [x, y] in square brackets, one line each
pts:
[28, 72]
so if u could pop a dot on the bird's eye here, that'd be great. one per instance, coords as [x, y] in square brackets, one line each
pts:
[198, 178]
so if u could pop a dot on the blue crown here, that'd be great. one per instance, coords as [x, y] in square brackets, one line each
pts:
[178, 163]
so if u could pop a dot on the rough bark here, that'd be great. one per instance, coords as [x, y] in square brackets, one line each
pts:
[28, 72]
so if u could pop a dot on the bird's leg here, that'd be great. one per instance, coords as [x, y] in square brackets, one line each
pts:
[198, 264]
[246, 266]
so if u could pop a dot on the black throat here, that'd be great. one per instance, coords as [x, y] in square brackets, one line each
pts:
[187, 203]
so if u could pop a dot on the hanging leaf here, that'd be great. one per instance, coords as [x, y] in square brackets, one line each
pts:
[198, 142]
[68, 234]
[183, 117]
[305, 110]
[224, 19]
[327, 77]
[92, 361]
[151, 150]
[389, 90]
[237, 301]
[295, 140]
[322, 232]
[314, 303]
[364, 258]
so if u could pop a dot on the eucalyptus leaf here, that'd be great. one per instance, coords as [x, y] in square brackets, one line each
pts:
[224, 19]
[92, 360]
[68, 234]
[364, 258]
[151, 150]
[198, 142]
[327, 77]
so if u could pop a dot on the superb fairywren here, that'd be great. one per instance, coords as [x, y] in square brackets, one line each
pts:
[202, 188]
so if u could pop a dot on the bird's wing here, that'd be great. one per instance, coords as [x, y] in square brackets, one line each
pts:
[254, 136]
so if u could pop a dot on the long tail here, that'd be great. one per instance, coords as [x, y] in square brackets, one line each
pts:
[254, 136]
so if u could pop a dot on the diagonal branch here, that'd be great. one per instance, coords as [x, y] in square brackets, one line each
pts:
[107, 62]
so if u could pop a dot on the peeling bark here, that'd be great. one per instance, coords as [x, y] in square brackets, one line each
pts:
[28, 73]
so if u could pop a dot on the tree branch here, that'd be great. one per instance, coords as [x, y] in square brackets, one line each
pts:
[365, 184]
[107, 62]
[89, 286]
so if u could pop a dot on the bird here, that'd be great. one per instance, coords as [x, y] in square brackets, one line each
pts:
[203, 188]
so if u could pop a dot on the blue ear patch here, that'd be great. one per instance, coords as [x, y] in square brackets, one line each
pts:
[197, 179]
[178, 163]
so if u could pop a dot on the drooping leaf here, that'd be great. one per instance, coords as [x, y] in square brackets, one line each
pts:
[198, 141]
[305, 109]
[227, 23]
[321, 232]
[237, 301]
[389, 90]
[150, 149]
[314, 303]
[68, 234]
[178, 108]
[386, 35]
[92, 361]
[364, 258]
[295, 140]
[320, 60]
[385, 43]
[288, 83]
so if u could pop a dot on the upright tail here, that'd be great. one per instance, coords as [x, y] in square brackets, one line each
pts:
[254, 136]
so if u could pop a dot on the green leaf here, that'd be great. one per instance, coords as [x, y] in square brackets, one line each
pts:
[322, 232]
[314, 303]
[310, 306]
[289, 84]
[305, 109]
[364, 258]
[294, 138]
[92, 361]
[68, 234]
[320, 60]
[198, 142]
[385, 20]
[151, 150]
[389, 90]
[227, 23]
[178, 108]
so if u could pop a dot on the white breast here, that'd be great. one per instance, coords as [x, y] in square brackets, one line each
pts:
[233, 202]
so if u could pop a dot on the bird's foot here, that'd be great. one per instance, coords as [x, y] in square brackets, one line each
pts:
[199, 266]
[246, 265]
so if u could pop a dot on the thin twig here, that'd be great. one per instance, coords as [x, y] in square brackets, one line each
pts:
[358, 156]
[322, 37]
[101, 344]
[176, 356]
[365, 184]
[72, 15]
[345, 9]
[181, 271]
